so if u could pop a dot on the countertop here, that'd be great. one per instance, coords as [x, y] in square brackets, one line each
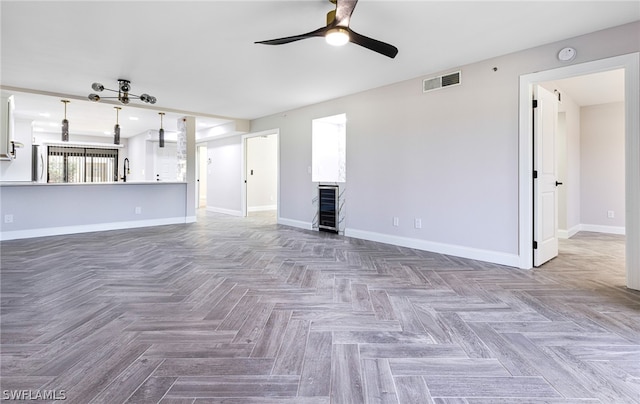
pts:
[30, 183]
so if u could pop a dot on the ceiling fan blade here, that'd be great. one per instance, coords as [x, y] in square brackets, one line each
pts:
[344, 9]
[289, 39]
[373, 44]
[340, 18]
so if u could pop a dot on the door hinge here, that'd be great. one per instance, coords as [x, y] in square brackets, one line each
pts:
[535, 174]
[535, 104]
[535, 245]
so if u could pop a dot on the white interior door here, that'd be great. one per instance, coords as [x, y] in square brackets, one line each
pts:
[545, 166]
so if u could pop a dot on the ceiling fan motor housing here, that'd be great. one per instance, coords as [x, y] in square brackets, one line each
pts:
[331, 17]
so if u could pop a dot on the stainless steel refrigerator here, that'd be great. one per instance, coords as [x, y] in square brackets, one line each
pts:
[38, 166]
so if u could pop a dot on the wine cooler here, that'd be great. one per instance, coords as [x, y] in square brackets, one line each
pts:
[328, 208]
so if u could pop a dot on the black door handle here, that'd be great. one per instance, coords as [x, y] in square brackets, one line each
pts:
[558, 183]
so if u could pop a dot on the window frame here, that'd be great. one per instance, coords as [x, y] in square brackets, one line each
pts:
[87, 155]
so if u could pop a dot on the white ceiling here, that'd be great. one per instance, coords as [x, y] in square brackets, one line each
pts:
[200, 56]
[97, 119]
[592, 89]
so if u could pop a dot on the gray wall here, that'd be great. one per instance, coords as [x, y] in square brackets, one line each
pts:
[569, 219]
[603, 171]
[561, 150]
[591, 166]
[573, 180]
[449, 157]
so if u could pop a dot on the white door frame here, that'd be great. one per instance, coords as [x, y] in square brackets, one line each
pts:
[270, 132]
[631, 64]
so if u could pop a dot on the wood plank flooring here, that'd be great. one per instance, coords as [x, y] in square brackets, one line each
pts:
[233, 310]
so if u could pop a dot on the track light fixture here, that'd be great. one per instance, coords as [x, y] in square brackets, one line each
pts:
[124, 86]
[161, 131]
[65, 123]
[116, 129]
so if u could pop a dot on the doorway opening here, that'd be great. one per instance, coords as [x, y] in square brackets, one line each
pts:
[588, 156]
[631, 66]
[201, 175]
[261, 165]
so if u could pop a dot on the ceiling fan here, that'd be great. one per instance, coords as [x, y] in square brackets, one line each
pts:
[337, 31]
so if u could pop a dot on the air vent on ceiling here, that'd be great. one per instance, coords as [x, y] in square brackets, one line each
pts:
[434, 83]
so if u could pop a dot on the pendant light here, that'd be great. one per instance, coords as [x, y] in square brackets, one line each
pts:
[65, 123]
[161, 131]
[116, 129]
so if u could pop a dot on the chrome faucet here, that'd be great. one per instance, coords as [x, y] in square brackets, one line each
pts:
[126, 169]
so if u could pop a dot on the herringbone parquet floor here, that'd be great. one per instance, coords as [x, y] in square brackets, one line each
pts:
[232, 310]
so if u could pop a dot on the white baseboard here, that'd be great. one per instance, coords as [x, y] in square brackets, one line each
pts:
[602, 229]
[512, 260]
[262, 208]
[88, 228]
[448, 249]
[224, 211]
[590, 227]
[295, 223]
[569, 233]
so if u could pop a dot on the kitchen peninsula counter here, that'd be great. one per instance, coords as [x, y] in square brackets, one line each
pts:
[29, 209]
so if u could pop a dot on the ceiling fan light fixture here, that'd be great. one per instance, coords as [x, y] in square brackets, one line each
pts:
[337, 32]
[337, 36]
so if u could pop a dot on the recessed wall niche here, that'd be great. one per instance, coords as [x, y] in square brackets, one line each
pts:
[328, 149]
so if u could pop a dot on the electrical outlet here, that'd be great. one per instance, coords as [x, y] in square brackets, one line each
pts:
[8, 218]
[611, 214]
[138, 210]
[418, 223]
[396, 221]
